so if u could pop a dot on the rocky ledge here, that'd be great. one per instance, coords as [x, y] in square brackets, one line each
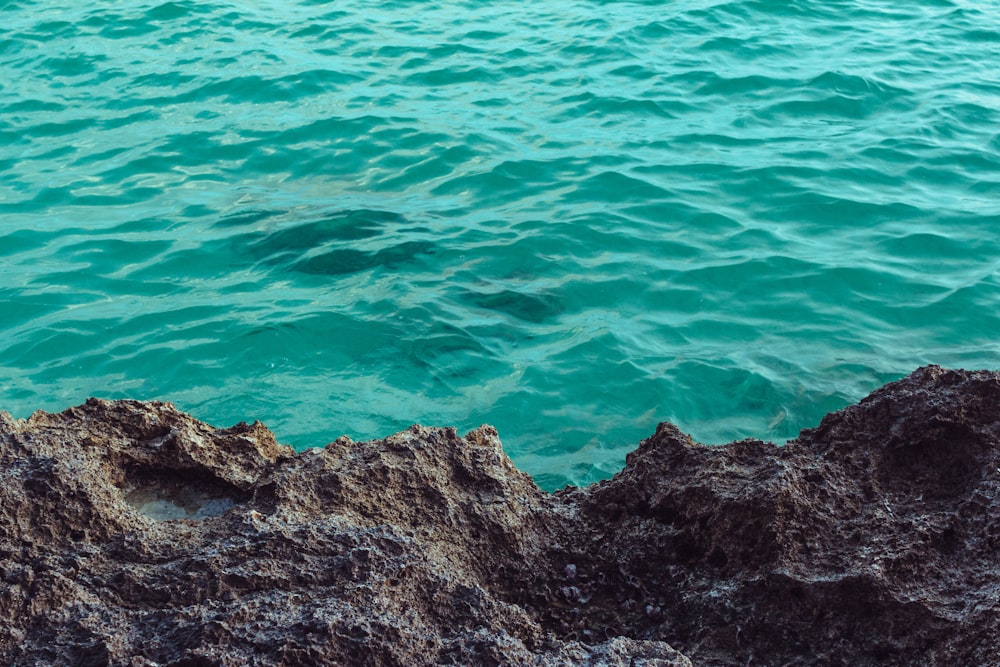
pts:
[132, 534]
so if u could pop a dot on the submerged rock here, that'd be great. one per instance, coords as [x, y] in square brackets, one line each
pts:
[132, 534]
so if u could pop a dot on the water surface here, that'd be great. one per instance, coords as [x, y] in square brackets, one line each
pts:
[568, 219]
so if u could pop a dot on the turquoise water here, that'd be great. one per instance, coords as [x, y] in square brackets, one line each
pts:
[568, 219]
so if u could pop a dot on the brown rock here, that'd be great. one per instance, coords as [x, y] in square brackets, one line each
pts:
[132, 534]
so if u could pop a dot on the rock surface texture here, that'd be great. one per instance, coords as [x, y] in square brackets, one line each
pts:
[132, 534]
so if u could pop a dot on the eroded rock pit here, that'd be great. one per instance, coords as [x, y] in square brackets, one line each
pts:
[132, 534]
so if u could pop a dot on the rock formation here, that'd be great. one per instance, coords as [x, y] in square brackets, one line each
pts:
[132, 534]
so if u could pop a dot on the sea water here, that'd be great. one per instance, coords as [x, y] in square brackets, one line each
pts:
[570, 219]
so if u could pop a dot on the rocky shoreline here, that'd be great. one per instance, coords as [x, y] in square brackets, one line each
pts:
[133, 534]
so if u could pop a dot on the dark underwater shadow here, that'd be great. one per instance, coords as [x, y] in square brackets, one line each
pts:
[336, 243]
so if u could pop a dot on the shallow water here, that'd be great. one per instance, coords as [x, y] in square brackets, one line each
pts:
[569, 219]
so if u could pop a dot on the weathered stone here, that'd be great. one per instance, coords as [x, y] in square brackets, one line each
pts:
[132, 534]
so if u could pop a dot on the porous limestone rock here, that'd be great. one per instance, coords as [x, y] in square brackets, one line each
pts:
[133, 534]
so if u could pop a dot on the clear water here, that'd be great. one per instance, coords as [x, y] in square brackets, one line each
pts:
[570, 219]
